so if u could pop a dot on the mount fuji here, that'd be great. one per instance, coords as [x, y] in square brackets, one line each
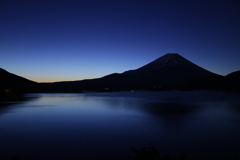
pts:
[170, 71]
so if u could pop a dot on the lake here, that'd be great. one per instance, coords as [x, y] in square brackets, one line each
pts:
[201, 124]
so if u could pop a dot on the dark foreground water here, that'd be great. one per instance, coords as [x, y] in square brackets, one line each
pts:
[203, 125]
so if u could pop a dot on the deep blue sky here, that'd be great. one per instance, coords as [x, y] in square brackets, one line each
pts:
[58, 40]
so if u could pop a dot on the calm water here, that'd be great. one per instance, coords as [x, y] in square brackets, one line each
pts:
[203, 125]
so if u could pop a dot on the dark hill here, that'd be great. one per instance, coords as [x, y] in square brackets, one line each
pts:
[232, 81]
[14, 83]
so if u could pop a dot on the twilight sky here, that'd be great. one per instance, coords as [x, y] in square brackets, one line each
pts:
[59, 40]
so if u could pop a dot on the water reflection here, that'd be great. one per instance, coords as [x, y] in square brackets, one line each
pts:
[8, 105]
[105, 125]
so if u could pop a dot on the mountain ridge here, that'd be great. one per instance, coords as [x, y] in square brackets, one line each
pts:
[170, 71]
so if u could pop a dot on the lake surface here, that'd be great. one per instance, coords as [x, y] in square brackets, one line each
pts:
[201, 124]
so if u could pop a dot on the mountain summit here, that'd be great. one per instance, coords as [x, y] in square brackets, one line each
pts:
[169, 60]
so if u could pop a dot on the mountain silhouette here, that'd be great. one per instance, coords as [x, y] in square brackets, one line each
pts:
[170, 69]
[168, 72]
[14, 83]
[232, 81]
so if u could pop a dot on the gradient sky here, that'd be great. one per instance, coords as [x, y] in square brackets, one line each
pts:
[59, 40]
